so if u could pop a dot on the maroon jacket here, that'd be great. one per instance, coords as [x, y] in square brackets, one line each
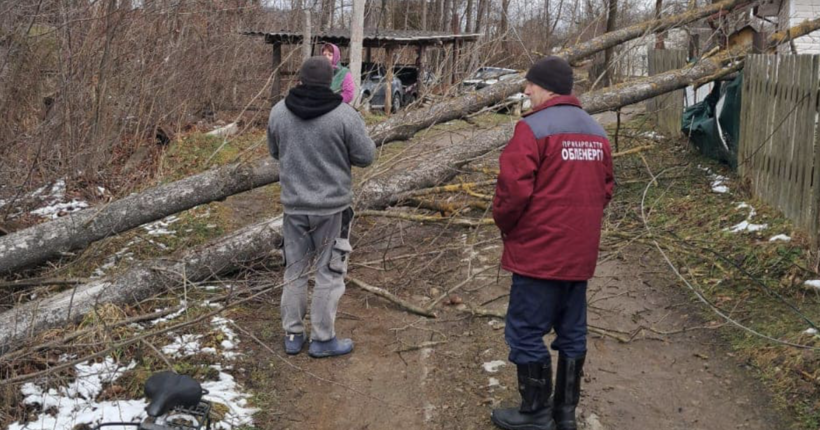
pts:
[555, 181]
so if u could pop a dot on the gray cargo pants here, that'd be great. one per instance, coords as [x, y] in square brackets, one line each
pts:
[306, 238]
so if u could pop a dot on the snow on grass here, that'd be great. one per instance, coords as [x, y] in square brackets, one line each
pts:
[56, 210]
[746, 225]
[815, 283]
[183, 345]
[494, 383]
[492, 366]
[653, 135]
[780, 237]
[66, 407]
[54, 198]
[229, 338]
[160, 228]
[171, 316]
[810, 331]
[719, 184]
[229, 393]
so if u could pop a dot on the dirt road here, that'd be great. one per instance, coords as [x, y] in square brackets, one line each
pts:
[663, 378]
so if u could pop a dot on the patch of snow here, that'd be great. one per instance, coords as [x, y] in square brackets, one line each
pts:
[492, 366]
[54, 210]
[183, 346]
[810, 331]
[229, 393]
[494, 383]
[230, 340]
[719, 184]
[101, 190]
[746, 226]
[653, 135]
[781, 237]
[75, 404]
[65, 358]
[160, 228]
[226, 131]
[171, 316]
[813, 283]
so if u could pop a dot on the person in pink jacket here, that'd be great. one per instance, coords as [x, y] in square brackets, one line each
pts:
[342, 79]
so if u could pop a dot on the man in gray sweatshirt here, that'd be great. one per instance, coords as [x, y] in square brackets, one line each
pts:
[316, 139]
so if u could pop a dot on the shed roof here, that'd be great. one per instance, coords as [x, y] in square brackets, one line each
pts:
[372, 37]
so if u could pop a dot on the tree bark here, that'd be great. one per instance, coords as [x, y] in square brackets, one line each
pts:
[327, 14]
[469, 12]
[661, 35]
[424, 15]
[505, 8]
[49, 240]
[356, 40]
[479, 18]
[307, 37]
[611, 22]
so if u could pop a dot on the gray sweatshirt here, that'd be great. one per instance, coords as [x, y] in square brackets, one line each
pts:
[315, 157]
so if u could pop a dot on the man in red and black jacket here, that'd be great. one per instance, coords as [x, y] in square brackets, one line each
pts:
[555, 181]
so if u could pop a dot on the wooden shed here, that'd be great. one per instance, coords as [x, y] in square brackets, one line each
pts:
[388, 40]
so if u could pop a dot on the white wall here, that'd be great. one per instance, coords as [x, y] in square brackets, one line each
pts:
[794, 12]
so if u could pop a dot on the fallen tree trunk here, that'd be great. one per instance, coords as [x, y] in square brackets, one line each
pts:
[50, 240]
[224, 254]
[611, 98]
[47, 241]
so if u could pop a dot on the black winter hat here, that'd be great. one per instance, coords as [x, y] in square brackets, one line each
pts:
[552, 74]
[316, 71]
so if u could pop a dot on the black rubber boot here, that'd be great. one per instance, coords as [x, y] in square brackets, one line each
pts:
[535, 413]
[567, 391]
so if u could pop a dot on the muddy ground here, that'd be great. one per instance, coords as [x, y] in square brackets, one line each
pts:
[673, 374]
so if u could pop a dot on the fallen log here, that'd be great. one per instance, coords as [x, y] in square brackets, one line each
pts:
[50, 240]
[629, 93]
[224, 254]
[47, 241]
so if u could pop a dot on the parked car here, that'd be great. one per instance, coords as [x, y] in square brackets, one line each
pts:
[373, 85]
[409, 77]
[486, 76]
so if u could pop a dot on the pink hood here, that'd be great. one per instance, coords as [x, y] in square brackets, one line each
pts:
[337, 55]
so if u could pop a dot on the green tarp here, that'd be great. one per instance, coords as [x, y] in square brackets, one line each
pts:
[713, 125]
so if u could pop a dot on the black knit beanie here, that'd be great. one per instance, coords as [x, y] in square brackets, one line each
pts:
[552, 74]
[316, 71]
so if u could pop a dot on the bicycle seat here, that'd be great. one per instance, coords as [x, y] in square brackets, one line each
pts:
[168, 390]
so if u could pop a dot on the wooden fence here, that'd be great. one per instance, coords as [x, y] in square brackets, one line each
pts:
[779, 146]
[668, 108]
